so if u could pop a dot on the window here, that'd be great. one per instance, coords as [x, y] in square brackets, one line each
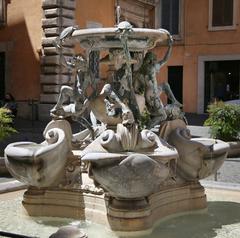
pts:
[2, 12]
[168, 15]
[140, 13]
[222, 14]
[222, 81]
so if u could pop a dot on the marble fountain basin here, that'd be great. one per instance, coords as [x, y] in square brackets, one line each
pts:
[33, 163]
[211, 223]
[198, 157]
[130, 175]
[105, 38]
[128, 164]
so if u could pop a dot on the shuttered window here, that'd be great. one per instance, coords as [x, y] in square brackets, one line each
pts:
[170, 16]
[222, 13]
[2, 13]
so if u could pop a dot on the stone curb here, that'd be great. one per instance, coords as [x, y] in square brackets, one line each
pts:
[3, 169]
[11, 186]
[220, 185]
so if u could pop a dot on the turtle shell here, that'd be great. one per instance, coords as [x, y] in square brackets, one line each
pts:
[124, 25]
[67, 32]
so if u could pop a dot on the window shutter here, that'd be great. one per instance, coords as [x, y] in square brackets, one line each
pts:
[165, 14]
[170, 16]
[222, 13]
[175, 17]
[2, 13]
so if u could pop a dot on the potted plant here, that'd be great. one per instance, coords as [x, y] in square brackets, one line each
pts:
[224, 122]
[6, 129]
[6, 120]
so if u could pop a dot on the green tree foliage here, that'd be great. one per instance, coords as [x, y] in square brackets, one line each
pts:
[6, 120]
[144, 119]
[224, 121]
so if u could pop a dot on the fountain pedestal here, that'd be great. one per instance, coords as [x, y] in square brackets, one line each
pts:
[122, 216]
[142, 164]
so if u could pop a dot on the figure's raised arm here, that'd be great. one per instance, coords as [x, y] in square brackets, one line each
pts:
[161, 62]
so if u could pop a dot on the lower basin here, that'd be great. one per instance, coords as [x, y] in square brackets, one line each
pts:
[221, 221]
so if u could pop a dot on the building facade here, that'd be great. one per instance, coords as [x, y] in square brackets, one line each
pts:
[206, 53]
[20, 48]
[205, 63]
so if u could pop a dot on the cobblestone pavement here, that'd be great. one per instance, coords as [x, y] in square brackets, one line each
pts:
[229, 172]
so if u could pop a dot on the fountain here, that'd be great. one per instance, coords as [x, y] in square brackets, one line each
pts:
[139, 165]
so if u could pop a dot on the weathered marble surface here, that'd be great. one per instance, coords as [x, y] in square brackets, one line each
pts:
[41, 165]
[146, 165]
[198, 158]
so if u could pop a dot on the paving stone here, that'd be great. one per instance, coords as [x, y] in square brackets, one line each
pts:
[229, 172]
[11, 186]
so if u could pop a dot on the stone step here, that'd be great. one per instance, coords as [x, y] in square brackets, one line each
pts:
[58, 79]
[68, 4]
[11, 186]
[55, 12]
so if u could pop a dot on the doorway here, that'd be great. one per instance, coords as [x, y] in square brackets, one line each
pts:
[175, 80]
[222, 81]
[2, 75]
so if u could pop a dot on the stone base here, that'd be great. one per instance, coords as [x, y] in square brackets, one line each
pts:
[124, 216]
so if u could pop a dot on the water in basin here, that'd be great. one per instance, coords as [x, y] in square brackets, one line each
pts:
[33, 147]
[221, 221]
[14, 219]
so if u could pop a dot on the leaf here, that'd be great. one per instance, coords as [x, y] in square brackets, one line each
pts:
[224, 121]
[6, 120]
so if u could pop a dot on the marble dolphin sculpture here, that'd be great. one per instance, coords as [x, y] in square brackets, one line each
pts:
[128, 163]
[198, 157]
[134, 176]
[39, 165]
